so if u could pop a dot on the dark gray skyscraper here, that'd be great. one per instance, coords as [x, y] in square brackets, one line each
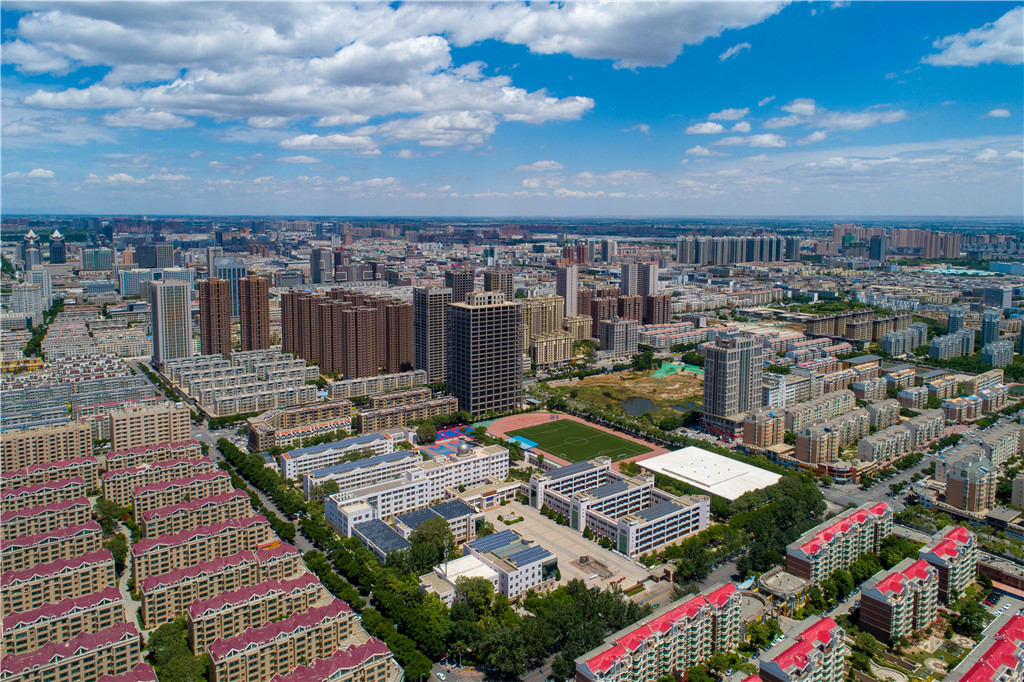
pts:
[460, 281]
[500, 279]
[58, 252]
[430, 315]
[955, 319]
[485, 366]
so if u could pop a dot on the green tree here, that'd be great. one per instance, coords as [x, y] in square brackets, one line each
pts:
[109, 514]
[171, 657]
[430, 543]
[118, 546]
[699, 673]
[867, 643]
[426, 432]
[478, 593]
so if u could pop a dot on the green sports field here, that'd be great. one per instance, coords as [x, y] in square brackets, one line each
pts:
[576, 442]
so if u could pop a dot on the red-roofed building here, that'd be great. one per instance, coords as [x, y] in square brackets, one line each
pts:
[119, 483]
[49, 583]
[113, 651]
[64, 543]
[150, 454]
[901, 601]
[817, 654]
[29, 630]
[167, 493]
[44, 518]
[143, 672]
[370, 661]
[205, 511]
[41, 494]
[838, 542]
[277, 648]
[86, 467]
[672, 639]
[231, 613]
[954, 554]
[999, 657]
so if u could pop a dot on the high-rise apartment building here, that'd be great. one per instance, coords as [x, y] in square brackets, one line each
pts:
[160, 255]
[141, 426]
[990, 326]
[215, 317]
[838, 542]
[817, 654]
[647, 279]
[460, 281]
[254, 312]
[234, 272]
[955, 319]
[399, 337]
[877, 248]
[98, 259]
[212, 254]
[954, 554]
[321, 266]
[657, 309]
[485, 367]
[997, 297]
[732, 378]
[430, 322]
[899, 602]
[500, 279]
[567, 282]
[630, 278]
[172, 320]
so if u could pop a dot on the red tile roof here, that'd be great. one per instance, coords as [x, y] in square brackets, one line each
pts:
[273, 631]
[143, 672]
[216, 500]
[87, 641]
[151, 448]
[795, 656]
[843, 525]
[36, 487]
[66, 532]
[165, 464]
[247, 593]
[210, 567]
[51, 611]
[1001, 652]
[54, 567]
[146, 544]
[895, 581]
[342, 659]
[179, 482]
[44, 508]
[61, 464]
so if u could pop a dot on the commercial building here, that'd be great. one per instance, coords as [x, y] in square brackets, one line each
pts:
[254, 313]
[461, 281]
[28, 447]
[414, 488]
[301, 461]
[520, 565]
[61, 621]
[710, 472]
[234, 612]
[287, 426]
[818, 653]
[50, 582]
[166, 596]
[139, 426]
[953, 553]
[172, 320]
[671, 640]
[899, 602]
[838, 542]
[500, 279]
[627, 510]
[233, 271]
[997, 297]
[277, 648]
[430, 315]
[113, 651]
[485, 368]
[215, 317]
[732, 380]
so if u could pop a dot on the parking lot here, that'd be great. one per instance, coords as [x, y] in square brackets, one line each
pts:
[569, 545]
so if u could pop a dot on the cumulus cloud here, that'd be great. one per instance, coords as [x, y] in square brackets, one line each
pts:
[729, 114]
[331, 141]
[999, 113]
[639, 128]
[705, 128]
[34, 59]
[698, 150]
[298, 159]
[801, 107]
[987, 155]
[816, 136]
[34, 174]
[765, 140]
[806, 111]
[540, 166]
[140, 117]
[115, 179]
[741, 127]
[1001, 41]
[733, 51]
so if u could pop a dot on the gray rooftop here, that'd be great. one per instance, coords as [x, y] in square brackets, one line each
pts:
[609, 489]
[659, 510]
[453, 509]
[360, 464]
[570, 470]
[382, 536]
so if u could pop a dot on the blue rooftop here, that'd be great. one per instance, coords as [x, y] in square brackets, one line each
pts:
[659, 510]
[609, 489]
[414, 518]
[381, 536]
[360, 464]
[570, 470]
[453, 509]
[529, 556]
[353, 441]
[489, 543]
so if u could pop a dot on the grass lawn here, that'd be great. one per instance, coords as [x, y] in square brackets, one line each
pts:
[578, 442]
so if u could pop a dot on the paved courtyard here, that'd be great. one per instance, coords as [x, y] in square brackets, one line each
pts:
[568, 546]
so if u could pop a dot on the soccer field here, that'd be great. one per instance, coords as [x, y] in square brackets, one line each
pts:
[578, 442]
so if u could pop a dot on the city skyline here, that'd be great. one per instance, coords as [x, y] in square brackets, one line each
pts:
[640, 109]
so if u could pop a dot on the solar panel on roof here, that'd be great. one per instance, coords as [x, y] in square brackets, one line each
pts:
[659, 510]
[570, 470]
[489, 543]
[529, 556]
[453, 509]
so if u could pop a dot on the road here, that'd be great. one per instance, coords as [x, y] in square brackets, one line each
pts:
[846, 494]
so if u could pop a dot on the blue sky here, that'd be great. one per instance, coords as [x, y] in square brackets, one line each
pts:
[588, 109]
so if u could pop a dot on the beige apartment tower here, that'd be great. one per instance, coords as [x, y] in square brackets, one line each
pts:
[172, 320]
[215, 317]
[485, 367]
[254, 312]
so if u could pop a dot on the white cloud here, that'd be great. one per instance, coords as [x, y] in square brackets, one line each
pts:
[698, 150]
[140, 117]
[34, 174]
[331, 141]
[783, 121]
[35, 59]
[1001, 41]
[196, 154]
[816, 136]
[741, 127]
[801, 107]
[764, 140]
[168, 177]
[766, 100]
[705, 128]
[639, 128]
[999, 113]
[729, 114]
[115, 179]
[988, 154]
[1014, 155]
[298, 159]
[733, 51]
[407, 154]
[267, 121]
[540, 166]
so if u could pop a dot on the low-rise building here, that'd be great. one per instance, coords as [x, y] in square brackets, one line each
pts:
[817, 654]
[899, 602]
[521, 566]
[189, 515]
[838, 542]
[118, 484]
[301, 461]
[822, 408]
[49, 583]
[61, 621]
[384, 383]
[670, 640]
[42, 519]
[277, 648]
[942, 387]
[168, 493]
[63, 543]
[460, 517]
[401, 415]
[114, 651]
[953, 552]
[962, 410]
[287, 426]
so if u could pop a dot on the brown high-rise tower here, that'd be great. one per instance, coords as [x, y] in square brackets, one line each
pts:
[254, 310]
[215, 316]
